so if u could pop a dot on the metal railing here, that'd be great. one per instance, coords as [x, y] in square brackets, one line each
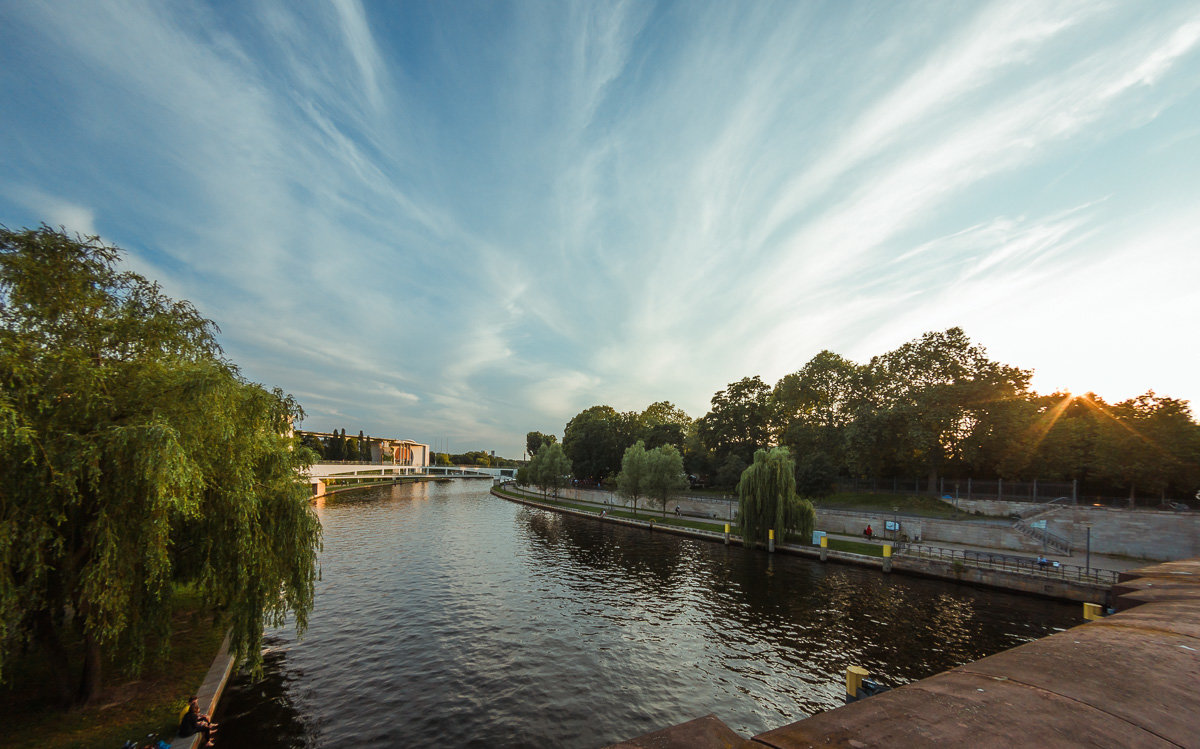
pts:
[1046, 537]
[1010, 563]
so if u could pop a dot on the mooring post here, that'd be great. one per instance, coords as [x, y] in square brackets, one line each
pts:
[771, 540]
[854, 679]
[887, 557]
[727, 534]
[824, 547]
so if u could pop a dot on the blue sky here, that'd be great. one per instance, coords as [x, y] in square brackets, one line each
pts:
[458, 222]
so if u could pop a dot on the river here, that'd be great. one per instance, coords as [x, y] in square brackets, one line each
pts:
[447, 616]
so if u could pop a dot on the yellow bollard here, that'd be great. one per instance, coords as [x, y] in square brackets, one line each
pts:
[854, 678]
[727, 534]
[1092, 612]
[824, 548]
[771, 540]
[887, 557]
[887, 550]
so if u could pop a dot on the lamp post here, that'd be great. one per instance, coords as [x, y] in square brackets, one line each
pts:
[1089, 549]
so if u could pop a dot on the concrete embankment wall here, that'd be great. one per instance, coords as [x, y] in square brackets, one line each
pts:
[994, 534]
[1125, 680]
[1143, 534]
[1068, 590]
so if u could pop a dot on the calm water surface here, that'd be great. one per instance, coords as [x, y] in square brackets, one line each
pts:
[445, 614]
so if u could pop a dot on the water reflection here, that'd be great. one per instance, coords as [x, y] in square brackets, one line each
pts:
[447, 615]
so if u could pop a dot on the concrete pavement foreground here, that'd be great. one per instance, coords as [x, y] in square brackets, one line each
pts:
[1129, 680]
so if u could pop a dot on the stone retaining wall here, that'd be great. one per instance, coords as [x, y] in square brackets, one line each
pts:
[991, 534]
[1142, 534]
[1145, 534]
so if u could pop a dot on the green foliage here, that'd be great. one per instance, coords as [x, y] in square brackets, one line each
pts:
[472, 458]
[936, 407]
[731, 470]
[812, 408]
[595, 440]
[535, 440]
[314, 443]
[632, 480]
[767, 498]
[740, 419]
[664, 475]
[815, 475]
[550, 469]
[664, 424]
[933, 391]
[132, 454]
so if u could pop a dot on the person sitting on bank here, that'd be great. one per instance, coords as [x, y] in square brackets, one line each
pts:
[194, 722]
[868, 533]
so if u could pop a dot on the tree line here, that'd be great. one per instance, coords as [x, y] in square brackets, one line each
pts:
[767, 496]
[338, 446]
[472, 458]
[934, 408]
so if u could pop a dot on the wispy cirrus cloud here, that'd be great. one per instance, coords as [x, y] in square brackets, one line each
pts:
[465, 226]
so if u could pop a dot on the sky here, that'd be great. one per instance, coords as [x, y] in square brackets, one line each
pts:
[457, 222]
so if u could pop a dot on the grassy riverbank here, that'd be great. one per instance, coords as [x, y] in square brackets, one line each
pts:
[930, 507]
[126, 707]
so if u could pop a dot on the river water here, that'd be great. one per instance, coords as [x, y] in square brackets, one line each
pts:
[447, 616]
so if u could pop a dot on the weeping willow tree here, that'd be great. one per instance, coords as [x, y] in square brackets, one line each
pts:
[133, 458]
[767, 498]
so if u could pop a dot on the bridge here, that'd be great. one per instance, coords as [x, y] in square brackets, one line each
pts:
[322, 474]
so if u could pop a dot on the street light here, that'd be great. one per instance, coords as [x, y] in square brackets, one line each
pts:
[1089, 549]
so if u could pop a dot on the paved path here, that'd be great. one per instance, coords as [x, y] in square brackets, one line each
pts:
[1098, 561]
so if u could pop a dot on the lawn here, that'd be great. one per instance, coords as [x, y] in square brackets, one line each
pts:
[127, 707]
[856, 547]
[908, 504]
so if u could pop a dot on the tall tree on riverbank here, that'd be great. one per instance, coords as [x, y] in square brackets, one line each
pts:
[134, 456]
[767, 498]
[740, 419]
[631, 481]
[664, 475]
[595, 439]
[535, 440]
[550, 469]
